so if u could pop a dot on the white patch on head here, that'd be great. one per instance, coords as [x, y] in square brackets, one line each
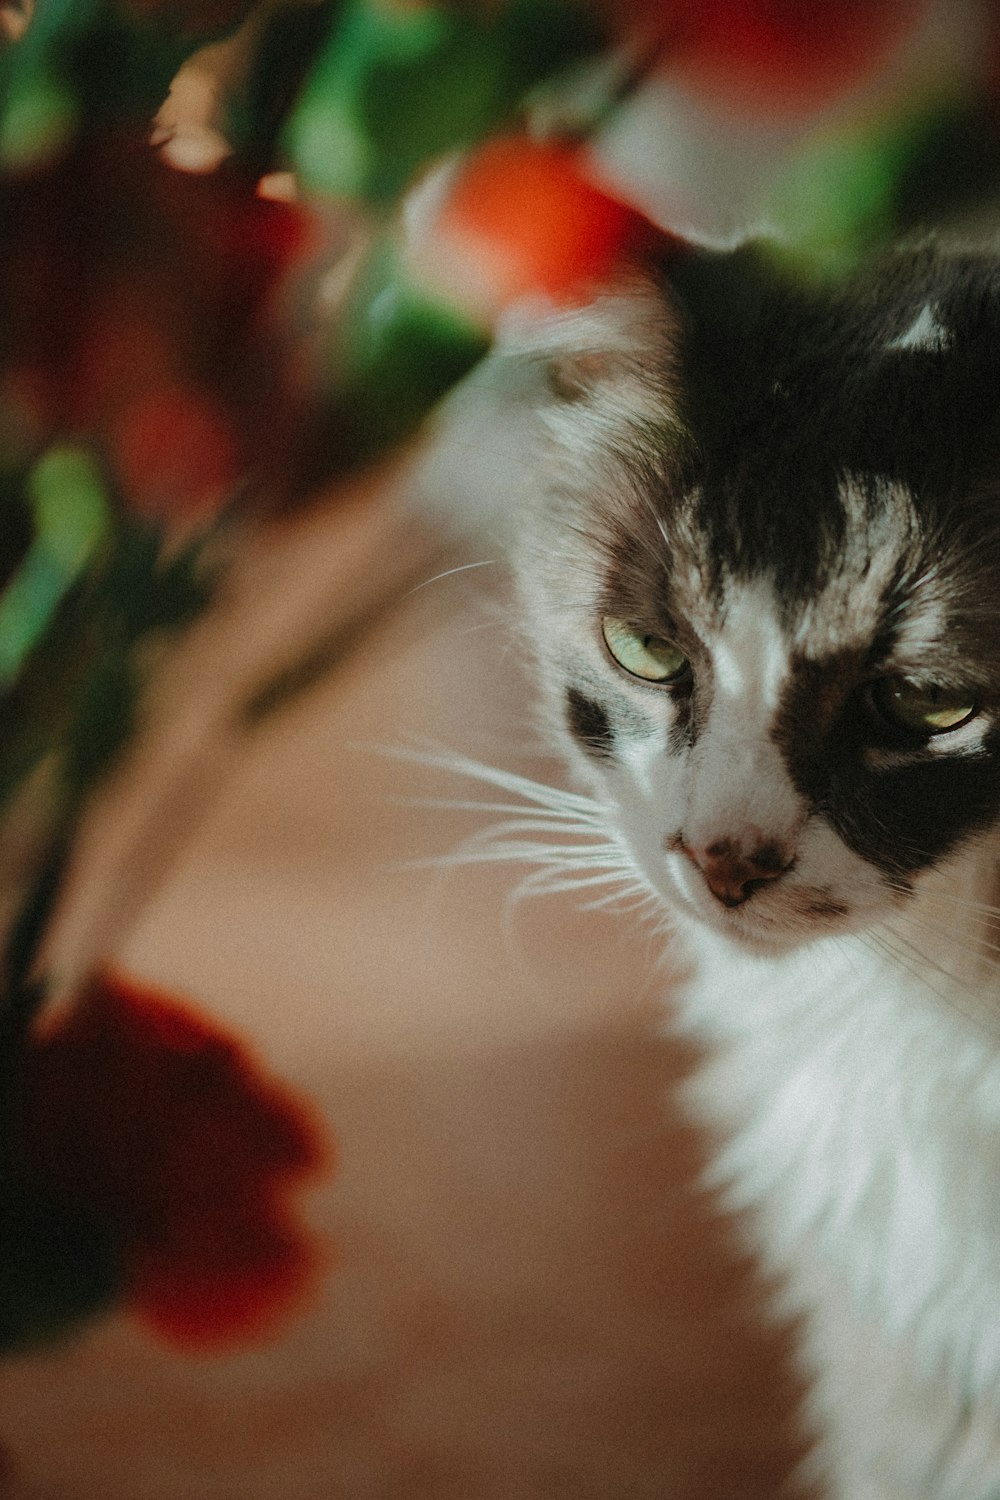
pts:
[925, 332]
[750, 653]
[849, 608]
[643, 759]
[739, 781]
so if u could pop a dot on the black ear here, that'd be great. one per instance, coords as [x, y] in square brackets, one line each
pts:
[638, 324]
[626, 324]
[737, 293]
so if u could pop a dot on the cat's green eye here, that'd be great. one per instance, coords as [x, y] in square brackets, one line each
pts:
[642, 654]
[924, 709]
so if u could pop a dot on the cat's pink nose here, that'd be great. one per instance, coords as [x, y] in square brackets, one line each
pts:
[733, 875]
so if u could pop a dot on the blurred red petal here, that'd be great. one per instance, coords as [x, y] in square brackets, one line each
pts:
[176, 453]
[145, 1112]
[211, 1286]
[768, 56]
[189, 18]
[123, 277]
[132, 342]
[521, 216]
[236, 242]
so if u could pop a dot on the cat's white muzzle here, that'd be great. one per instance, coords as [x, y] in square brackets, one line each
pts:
[825, 890]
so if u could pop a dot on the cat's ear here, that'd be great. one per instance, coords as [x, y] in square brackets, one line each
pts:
[620, 346]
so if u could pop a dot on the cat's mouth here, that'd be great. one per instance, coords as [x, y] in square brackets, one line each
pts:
[777, 917]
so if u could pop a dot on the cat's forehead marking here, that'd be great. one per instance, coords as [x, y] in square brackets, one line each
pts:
[750, 650]
[740, 781]
[853, 597]
[925, 332]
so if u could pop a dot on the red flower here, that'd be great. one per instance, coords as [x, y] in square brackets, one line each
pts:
[190, 18]
[519, 216]
[771, 56]
[133, 297]
[147, 1117]
[176, 451]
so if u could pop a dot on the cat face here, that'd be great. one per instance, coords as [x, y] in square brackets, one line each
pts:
[764, 583]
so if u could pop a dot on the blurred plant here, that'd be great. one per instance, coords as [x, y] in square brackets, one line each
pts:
[185, 351]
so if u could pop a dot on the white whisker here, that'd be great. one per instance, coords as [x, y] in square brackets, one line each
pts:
[453, 804]
[962, 903]
[563, 835]
[522, 852]
[541, 793]
[966, 936]
[634, 897]
[896, 946]
[449, 573]
[550, 883]
[941, 898]
[879, 943]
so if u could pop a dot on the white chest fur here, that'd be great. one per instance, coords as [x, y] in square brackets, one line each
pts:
[859, 1117]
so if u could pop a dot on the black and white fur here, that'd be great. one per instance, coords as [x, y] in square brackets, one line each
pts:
[800, 486]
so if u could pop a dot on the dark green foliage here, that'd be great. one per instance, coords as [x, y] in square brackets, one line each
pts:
[57, 1267]
[397, 353]
[393, 89]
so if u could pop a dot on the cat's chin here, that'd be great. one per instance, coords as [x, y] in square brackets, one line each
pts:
[754, 935]
[766, 932]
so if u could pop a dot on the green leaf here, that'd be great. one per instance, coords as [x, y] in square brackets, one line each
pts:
[260, 104]
[39, 103]
[843, 194]
[104, 718]
[88, 61]
[141, 591]
[39, 117]
[71, 508]
[72, 519]
[27, 608]
[398, 352]
[396, 87]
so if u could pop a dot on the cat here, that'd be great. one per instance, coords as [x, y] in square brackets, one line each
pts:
[759, 570]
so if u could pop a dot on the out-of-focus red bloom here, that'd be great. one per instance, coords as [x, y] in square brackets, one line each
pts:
[517, 217]
[132, 290]
[769, 56]
[146, 1115]
[176, 451]
[189, 18]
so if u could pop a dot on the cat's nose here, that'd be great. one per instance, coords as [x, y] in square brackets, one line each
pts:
[732, 874]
